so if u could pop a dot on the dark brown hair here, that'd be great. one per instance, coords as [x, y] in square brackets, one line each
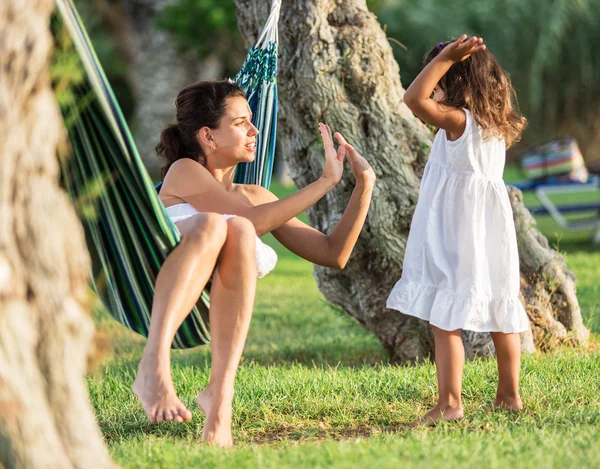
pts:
[480, 85]
[198, 105]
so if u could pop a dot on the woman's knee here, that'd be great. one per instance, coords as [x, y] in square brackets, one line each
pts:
[240, 229]
[207, 229]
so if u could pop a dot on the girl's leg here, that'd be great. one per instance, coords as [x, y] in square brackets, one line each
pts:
[232, 300]
[449, 364]
[508, 355]
[179, 284]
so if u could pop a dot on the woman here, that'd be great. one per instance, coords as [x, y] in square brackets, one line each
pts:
[213, 133]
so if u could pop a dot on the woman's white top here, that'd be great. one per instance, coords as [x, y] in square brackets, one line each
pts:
[266, 257]
[461, 266]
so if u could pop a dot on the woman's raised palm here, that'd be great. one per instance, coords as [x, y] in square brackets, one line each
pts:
[334, 159]
[363, 172]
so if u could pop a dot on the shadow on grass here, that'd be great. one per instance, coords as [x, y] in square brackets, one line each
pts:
[482, 422]
[127, 350]
[137, 426]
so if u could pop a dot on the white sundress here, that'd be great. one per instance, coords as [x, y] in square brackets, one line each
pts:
[266, 257]
[461, 266]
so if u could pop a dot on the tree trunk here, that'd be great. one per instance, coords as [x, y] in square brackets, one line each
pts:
[45, 332]
[547, 285]
[159, 73]
[336, 66]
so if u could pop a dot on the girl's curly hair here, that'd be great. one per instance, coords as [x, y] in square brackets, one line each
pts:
[480, 85]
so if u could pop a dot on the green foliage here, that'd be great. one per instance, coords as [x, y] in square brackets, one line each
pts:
[114, 65]
[65, 68]
[376, 5]
[207, 27]
[66, 71]
[550, 48]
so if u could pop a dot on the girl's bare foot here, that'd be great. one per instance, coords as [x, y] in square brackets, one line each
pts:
[154, 388]
[439, 413]
[508, 403]
[218, 410]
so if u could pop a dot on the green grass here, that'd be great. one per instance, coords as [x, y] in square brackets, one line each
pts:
[316, 390]
[336, 417]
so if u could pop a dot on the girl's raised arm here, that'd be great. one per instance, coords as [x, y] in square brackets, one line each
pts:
[418, 95]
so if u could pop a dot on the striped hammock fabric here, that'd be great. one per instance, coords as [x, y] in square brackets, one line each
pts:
[258, 78]
[128, 232]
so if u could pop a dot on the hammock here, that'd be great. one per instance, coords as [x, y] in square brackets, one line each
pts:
[128, 232]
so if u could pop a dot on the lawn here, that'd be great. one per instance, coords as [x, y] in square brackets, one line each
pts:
[316, 390]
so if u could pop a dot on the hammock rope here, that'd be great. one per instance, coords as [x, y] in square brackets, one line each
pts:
[128, 232]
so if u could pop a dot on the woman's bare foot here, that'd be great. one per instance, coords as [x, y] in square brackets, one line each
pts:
[217, 426]
[154, 388]
[508, 403]
[437, 414]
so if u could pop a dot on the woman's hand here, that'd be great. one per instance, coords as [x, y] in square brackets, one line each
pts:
[363, 173]
[462, 48]
[334, 160]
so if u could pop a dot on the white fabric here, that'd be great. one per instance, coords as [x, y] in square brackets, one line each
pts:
[266, 257]
[461, 266]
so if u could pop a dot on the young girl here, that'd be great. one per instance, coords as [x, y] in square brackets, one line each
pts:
[461, 267]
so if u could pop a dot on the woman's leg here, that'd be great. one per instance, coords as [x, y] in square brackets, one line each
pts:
[232, 300]
[508, 355]
[449, 364]
[179, 284]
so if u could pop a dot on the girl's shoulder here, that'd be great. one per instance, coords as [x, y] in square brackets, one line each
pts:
[468, 129]
[484, 135]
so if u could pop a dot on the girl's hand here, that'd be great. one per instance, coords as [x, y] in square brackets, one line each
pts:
[462, 48]
[363, 173]
[334, 160]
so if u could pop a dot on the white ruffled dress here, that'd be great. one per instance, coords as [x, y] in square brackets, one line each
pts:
[461, 266]
[266, 257]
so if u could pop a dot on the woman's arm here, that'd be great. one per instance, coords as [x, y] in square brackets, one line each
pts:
[191, 182]
[333, 250]
[418, 95]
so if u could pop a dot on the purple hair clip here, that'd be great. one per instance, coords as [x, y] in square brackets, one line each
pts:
[440, 45]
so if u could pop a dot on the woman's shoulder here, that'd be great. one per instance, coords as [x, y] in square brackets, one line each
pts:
[185, 169]
[184, 165]
[183, 176]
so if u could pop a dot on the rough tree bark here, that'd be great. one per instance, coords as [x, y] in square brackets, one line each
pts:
[337, 66]
[45, 332]
[547, 285]
[159, 72]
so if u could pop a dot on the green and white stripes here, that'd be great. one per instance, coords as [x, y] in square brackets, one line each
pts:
[258, 78]
[128, 232]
